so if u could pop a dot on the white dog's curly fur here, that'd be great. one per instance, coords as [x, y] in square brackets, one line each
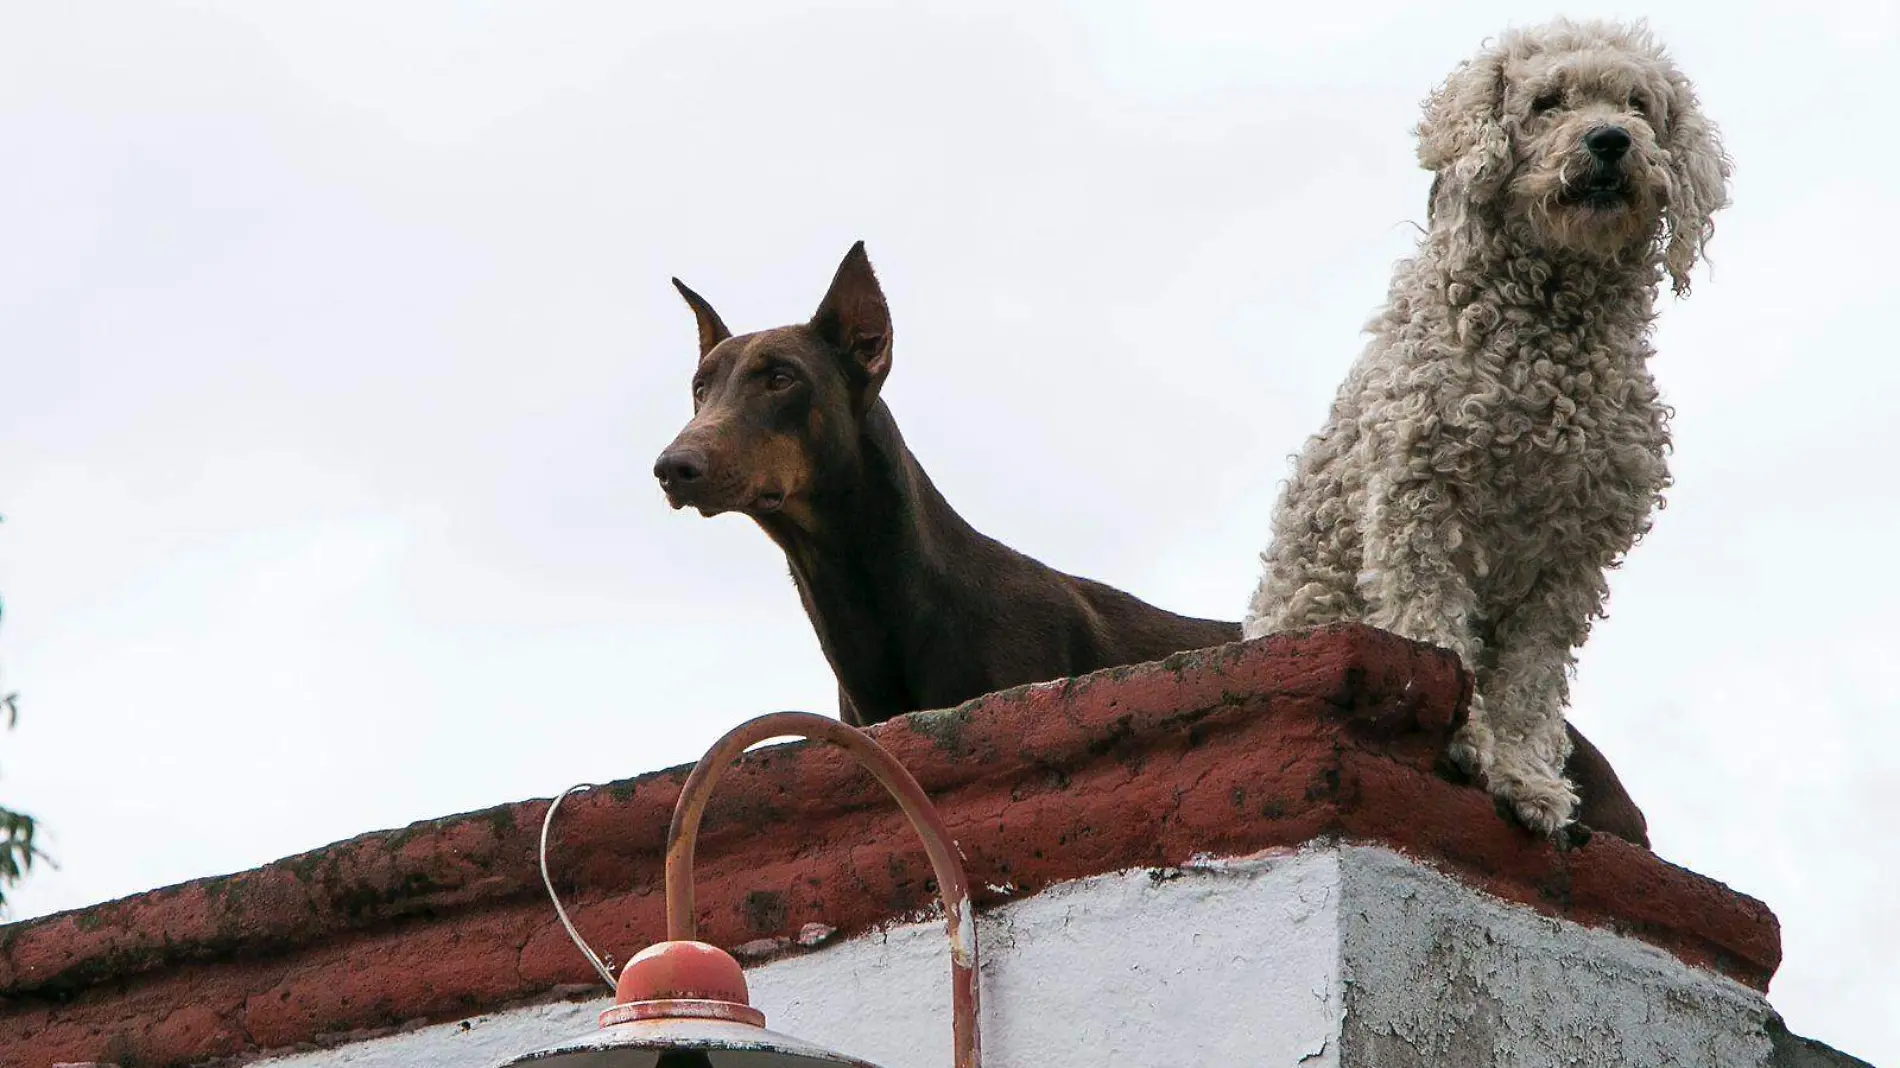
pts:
[1500, 443]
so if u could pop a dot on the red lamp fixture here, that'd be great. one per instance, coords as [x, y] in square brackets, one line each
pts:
[684, 1004]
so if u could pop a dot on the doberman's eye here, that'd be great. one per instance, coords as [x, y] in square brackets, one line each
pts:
[699, 392]
[779, 379]
[1546, 101]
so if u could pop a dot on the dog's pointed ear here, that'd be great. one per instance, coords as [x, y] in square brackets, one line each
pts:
[854, 319]
[711, 329]
[1698, 183]
[1461, 138]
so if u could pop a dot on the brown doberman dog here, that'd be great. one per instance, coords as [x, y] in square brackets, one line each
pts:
[914, 608]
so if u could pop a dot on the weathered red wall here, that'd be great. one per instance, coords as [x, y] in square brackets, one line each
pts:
[1226, 751]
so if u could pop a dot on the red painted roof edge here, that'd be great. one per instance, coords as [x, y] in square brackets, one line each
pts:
[1334, 734]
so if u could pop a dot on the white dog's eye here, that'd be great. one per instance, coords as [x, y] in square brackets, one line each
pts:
[1639, 103]
[1546, 101]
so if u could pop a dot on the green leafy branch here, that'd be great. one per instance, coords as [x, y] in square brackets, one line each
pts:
[17, 849]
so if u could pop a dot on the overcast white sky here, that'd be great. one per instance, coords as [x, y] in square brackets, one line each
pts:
[338, 345]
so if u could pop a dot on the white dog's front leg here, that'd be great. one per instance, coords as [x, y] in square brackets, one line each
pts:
[1533, 650]
[1413, 587]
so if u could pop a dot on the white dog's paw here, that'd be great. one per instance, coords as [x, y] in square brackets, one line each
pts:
[1470, 751]
[1545, 805]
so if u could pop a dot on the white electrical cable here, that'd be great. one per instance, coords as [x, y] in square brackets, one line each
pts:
[606, 975]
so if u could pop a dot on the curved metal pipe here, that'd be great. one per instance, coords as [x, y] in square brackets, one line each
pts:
[941, 848]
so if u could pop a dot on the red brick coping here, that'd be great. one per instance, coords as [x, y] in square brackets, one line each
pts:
[1334, 734]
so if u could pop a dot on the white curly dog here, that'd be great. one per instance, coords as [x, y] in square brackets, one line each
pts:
[1500, 443]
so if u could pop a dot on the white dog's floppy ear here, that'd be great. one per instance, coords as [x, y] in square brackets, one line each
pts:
[1698, 183]
[1462, 138]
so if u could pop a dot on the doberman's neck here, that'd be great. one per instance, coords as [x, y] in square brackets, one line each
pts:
[874, 559]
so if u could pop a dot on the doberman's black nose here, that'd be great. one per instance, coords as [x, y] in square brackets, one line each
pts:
[677, 467]
[1607, 143]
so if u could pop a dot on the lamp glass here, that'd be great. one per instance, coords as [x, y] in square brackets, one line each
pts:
[676, 1043]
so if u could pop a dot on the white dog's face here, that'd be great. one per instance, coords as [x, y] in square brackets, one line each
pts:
[1587, 136]
[1587, 139]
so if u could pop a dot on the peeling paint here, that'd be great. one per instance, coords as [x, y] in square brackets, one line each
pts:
[963, 936]
[813, 934]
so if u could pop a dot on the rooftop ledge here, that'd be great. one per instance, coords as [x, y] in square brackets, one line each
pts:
[1333, 735]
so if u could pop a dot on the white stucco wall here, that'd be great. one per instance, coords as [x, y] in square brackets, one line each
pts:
[1327, 958]
[1436, 974]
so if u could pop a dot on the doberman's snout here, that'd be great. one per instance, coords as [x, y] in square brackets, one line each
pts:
[678, 468]
[1607, 143]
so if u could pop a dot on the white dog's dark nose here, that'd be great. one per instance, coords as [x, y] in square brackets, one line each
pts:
[1607, 143]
